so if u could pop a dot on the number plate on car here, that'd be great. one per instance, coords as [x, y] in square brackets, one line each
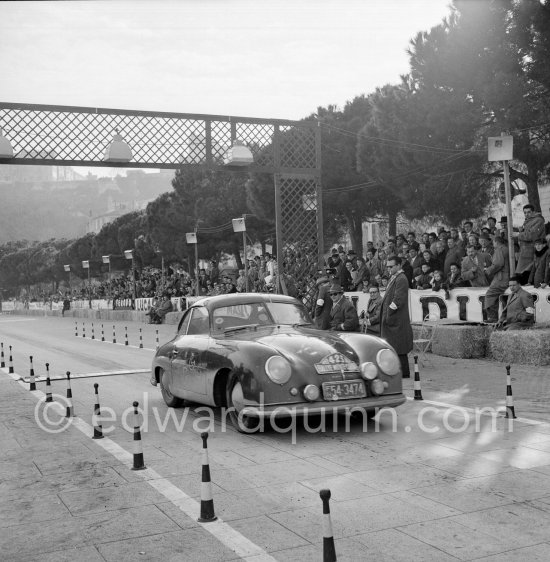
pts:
[343, 390]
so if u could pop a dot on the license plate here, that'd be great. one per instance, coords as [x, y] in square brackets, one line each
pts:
[343, 390]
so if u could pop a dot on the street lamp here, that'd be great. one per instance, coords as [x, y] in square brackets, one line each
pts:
[68, 268]
[191, 238]
[107, 259]
[159, 252]
[86, 265]
[117, 150]
[129, 255]
[239, 225]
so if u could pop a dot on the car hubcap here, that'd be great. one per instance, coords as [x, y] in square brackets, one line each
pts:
[237, 397]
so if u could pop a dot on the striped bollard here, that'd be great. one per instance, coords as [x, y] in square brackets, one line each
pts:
[126, 335]
[98, 430]
[114, 336]
[207, 503]
[10, 363]
[93, 334]
[49, 397]
[510, 411]
[329, 551]
[157, 338]
[32, 380]
[76, 328]
[417, 389]
[83, 330]
[2, 362]
[139, 464]
[140, 339]
[70, 410]
[102, 333]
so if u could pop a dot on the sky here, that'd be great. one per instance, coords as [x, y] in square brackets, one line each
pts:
[257, 58]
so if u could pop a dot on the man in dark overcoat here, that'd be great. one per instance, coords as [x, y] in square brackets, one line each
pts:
[395, 323]
[343, 316]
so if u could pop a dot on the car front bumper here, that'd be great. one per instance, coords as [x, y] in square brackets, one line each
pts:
[322, 407]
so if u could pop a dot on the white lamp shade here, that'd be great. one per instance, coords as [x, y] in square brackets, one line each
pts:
[117, 151]
[238, 155]
[86, 264]
[128, 254]
[6, 149]
[106, 259]
[67, 267]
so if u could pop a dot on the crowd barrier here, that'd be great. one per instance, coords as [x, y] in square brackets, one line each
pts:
[464, 304]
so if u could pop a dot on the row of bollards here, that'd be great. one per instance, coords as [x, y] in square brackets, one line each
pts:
[126, 342]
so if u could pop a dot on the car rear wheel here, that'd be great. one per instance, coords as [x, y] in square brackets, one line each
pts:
[169, 398]
[235, 403]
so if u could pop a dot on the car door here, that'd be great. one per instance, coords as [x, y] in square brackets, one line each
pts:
[188, 368]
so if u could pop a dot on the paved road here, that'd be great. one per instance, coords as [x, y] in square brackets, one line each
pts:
[437, 482]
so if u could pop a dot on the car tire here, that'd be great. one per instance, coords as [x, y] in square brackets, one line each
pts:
[171, 400]
[234, 395]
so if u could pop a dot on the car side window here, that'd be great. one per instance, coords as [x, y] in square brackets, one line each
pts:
[182, 330]
[199, 323]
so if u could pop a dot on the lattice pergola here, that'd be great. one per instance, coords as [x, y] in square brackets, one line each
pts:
[79, 136]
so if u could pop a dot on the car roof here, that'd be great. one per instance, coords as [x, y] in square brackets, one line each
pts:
[232, 299]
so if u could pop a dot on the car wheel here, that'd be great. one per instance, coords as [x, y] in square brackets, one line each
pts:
[235, 403]
[169, 398]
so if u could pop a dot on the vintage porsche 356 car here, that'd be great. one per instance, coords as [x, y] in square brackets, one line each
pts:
[260, 356]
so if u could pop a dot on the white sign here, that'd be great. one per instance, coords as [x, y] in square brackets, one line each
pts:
[501, 148]
[465, 304]
[191, 237]
[86, 264]
[239, 225]
[67, 267]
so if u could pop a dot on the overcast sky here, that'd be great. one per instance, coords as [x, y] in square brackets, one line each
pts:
[258, 58]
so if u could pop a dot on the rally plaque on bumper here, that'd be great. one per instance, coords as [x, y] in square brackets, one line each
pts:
[343, 390]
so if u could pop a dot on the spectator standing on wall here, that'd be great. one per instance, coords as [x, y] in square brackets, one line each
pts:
[532, 229]
[454, 255]
[473, 268]
[540, 272]
[499, 271]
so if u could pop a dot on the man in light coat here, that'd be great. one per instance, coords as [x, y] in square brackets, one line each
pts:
[395, 324]
[499, 271]
[532, 229]
[473, 268]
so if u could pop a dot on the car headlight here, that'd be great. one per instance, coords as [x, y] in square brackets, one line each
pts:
[388, 361]
[369, 371]
[278, 369]
[311, 392]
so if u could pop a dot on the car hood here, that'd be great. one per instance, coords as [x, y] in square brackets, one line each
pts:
[301, 344]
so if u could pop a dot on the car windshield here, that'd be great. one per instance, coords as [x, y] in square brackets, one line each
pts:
[256, 314]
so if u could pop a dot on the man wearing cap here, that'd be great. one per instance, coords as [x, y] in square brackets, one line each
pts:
[519, 312]
[323, 303]
[343, 316]
[395, 324]
[486, 244]
[532, 229]
[499, 272]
